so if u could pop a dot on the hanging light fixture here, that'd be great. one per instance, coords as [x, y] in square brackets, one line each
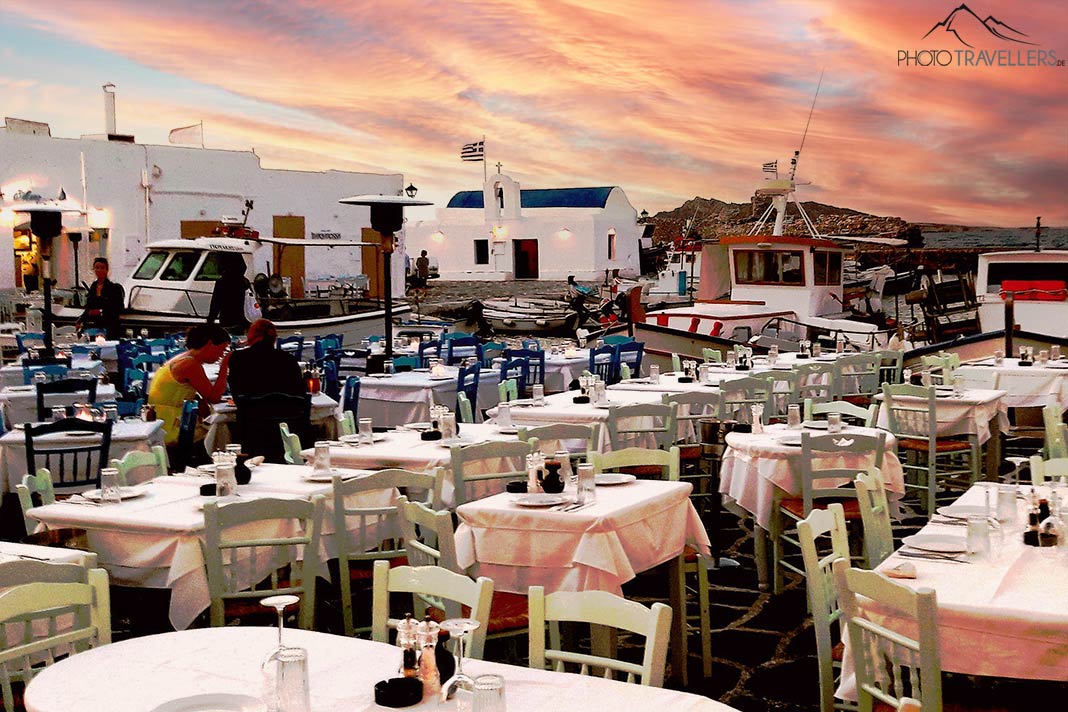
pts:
[411, 190]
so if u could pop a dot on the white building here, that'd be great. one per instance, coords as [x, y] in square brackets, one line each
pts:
[137, 194]
[503, 233]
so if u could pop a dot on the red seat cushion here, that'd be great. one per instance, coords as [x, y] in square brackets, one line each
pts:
[650, 471]
[838, 652]
[365, 570]
[508, 611]
[941, 445]
[796, 506]
[689, 452]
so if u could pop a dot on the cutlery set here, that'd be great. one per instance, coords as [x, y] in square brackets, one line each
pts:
[573, 507]
[931, 556]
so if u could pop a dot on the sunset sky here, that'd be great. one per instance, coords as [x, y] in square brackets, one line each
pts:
[669, 99]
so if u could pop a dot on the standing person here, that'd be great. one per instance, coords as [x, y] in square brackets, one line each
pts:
[261, 368]
[104, 306]
[183, 378]
[422, 268]
[228, 296]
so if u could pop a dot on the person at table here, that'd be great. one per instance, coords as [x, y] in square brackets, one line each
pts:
[261, 368]
[183, 378]
[228, 295]
[103, 307]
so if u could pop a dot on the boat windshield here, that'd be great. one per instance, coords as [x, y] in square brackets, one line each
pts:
[768, 267]
[150, 265]
[998, 272]
[180, 266]
[212, 268]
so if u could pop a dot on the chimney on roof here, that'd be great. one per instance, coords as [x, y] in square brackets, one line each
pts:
[109, 109]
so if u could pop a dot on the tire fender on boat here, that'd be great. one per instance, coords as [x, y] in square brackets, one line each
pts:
[540, 322]
[508, 322]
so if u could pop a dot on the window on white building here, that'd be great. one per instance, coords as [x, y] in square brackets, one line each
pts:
[612, 244]
[481, 252]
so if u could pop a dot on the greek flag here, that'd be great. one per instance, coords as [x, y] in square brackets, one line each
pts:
[772, 167]
[473, 151]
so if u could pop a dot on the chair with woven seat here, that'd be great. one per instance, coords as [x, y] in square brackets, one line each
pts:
[819, 555]
[1055, 432]
[815, 381]
[942, 366]
[691, 407]
[52, 371]
[855, 414]
[783, 391]
[911, 415]
[739, 395]
[462, 347]
[57, 619]
[563, 436]
[476, 465]
[604, 609]
[630, 353]
[516, 369]
[875, 516]
[430, 540]
[815, 481]
[507, 390]
[364, 534]
[66, 387]
[856, 377]
[892, 659]
[25, 340]
[242, 570]
[182, 454]
[712, 355]
[350, 362]
[646, 424]
[492, 350]
[427, 351]
[350, 399]
[464, 412]
[467, 383]
[891, 366]
[259, 417]
[75, 464]
[149, 363]
[535, 368]
[35, 491]
[603, 363]
[152, 462]
[531, 344]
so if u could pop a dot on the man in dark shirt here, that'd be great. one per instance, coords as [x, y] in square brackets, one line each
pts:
[261, 368]
[104, 304]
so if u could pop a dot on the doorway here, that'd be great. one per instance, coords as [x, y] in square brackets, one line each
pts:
[525, 256]
[289, 260]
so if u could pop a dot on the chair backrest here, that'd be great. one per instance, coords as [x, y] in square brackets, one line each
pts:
[149, 363]
[1043, 471]
[535, 363]
[187, 427]
[630, 353]
[891, 660]
[326, 343]
[427, 351]
[486, 462]
[72, 462]
[563, 436]
[644, 462]
[350, 362]
[815, 381]
[292, 344]
[818, 558]
[463, 409]
[516, 369]
[461, 347]
[258, 418]
[603, 362]
[492, 350]
[739, 395]
[429, 536]
[875, 516]
[605, 609]
[531, 344]
[35, 490]
[911, 412]
[434, 585]
[467, 382]
[614, 339]
[1056, 444]
[405, 363]
[153, 460]
[857, 375]
[331, 384]
[131, 376]
[891, 366]
[351, 397]
[235, 563]
[712, 355]
[822, 460]
[646, 424]
[40, 608]
[346, 424]
[507, 390]
[291, 445]
[25, 339]
[64, 386]
[676, 363]
[53, 371]
[849, 412]
[692, 406]
[783, 391]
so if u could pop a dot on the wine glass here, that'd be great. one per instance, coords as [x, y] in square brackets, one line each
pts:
[458, 628]
[280, 604]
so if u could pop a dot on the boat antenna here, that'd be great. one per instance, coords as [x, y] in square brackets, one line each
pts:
[1038, 234]
[797, 153]
[245, 212]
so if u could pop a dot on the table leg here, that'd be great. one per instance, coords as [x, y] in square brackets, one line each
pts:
[993, 451]
[760, 553]
[677, 597]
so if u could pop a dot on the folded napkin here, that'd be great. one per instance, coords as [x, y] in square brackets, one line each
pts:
[904, 570]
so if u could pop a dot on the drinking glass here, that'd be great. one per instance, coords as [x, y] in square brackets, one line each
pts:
[1055, 352]
[539, 394]
[387, 367]
[834, 422]
[367, 436]
[144, 333]
[793, 416]
[40, 377]
[925, 379]
[758, 418]
[285, 671]
[458, 628]
[504, 415]
[654, 373]
[225, 479]
[1043, 356]
[109, 486]
[111, 413]
[732, 358]
[817, 349]
[587, 486]
[906, 375]
[1006, 511]
[322, 456]
[999, 356]
[235, 449]
[489, 694]
[978, 537]
[448, 425]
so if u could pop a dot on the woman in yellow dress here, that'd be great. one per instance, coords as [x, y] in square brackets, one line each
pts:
[183, 378]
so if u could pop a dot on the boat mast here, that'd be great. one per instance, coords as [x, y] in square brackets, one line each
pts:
[1038, 234]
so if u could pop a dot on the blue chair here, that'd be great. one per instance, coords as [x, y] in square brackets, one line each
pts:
[617, 339]
[134, 375]
[292, 344]
[631, 354]
[516, 369]
[52, 371]
[351, 403]
[158, 346]
[26, 339]
[92, 333]
[181, 454]
[350, 362]
[326, 343]
[461, 347]
[492, 350]
[467, 383]
[331, 382]
[126, 351]
[427, 351]
[405, 363]
[85, 350]
[532, 344]
[535, 363]
[603, 362]
[374, 338]
[148, 363]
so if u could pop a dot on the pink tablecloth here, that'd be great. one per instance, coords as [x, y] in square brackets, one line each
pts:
[754, 465]
[631, 528]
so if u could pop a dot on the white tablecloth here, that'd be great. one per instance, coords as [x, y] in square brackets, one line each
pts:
[1024, 386]
[10, 550]
[404, 398]
[323, 412]
[19, 403]
[342, 675]
[561, 369]
[969, 413]
[631, 528]
[755, 464]
[1003, 617]
[154, 541]
[13, 374]
[126, 436]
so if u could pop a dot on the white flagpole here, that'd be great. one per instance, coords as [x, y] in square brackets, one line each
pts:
[202, 133]
[485, 176]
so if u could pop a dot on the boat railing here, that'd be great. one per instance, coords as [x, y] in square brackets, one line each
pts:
[870, 340]
[136, 290]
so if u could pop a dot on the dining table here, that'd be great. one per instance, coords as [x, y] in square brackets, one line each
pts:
[224, 414]
[1026, 385]
[1000, 615]
[127, 435]
[390, 400]
[153, 537]
[13, 374]
[19, 403]
[223, 667]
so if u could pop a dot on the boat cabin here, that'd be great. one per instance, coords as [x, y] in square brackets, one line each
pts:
[1038, 282]
[179, 275]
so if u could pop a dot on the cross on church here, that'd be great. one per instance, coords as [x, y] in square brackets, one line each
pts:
[498, 167]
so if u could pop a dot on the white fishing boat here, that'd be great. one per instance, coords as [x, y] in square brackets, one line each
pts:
[529, 316]
[1038, 283]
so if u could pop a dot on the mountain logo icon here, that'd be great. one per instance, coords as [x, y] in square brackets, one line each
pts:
[970, 30]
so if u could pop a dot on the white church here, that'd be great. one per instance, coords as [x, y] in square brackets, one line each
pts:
[503, 232]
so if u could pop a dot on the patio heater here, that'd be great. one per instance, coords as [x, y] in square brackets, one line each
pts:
[387, 217]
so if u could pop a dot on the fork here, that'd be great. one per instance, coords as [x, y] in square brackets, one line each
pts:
[932, 556]
[576, 507]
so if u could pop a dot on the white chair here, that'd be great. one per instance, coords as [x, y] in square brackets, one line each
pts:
[549, 438]
[290, 446]
[739, 395]
[859, 415]
[1045, 470]
[815, 381]
[605, 609]
[1056, 432]
[857, 377]
[884, 656]
[154, 461]
[875, 516]
[42, 603]
[473, 465]
[641, 423]
[822, 600]
[39, 484]
[434, 582]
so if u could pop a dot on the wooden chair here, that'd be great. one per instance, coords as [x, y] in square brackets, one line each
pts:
[73, 464]
[351, 396]
[1056, 433]
[326, 343]
[816, 492]
[1043, 471]
[604, 609]
[856, 377]
[485, 462]
[492, 350]
[738, 396]
[39, 485]
[911, 415]
[364, 534]
[815, 382]
[37, 607]
[556, 436]
[531, 344]
[638, 423]
[818, 558]
[535, 369]
[291, 449]
[53, 371]
[463, 409]
[603, 363]
[345, 424]
[875, 516]
[237, 567]
[507, 390]
[712, 355]
[405, 363]
[427, 351]
[462, 347]
[783, 391]
[25, 340]
[891, 366]
[613, 339]
[182, 454]
[155, 460]
[515, 369]
[896, 661]
[467, 383]
[850, 413]
[66, 386]
[293, 344]
[676, 363]
[259, 417]
[630, 353]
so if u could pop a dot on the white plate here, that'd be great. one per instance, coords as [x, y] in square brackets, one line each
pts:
[940, 543]
[608, 479]
[329, 476]
[442, 378]
[213, 702]
[541, 500]
[130, 492]
[603, 406]
[208, 470]
[815, 424]
[449, 442]
[961, 511]
[415, 427]
[790, 439]
[355, 438]
[508, 431]
[221, 501]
